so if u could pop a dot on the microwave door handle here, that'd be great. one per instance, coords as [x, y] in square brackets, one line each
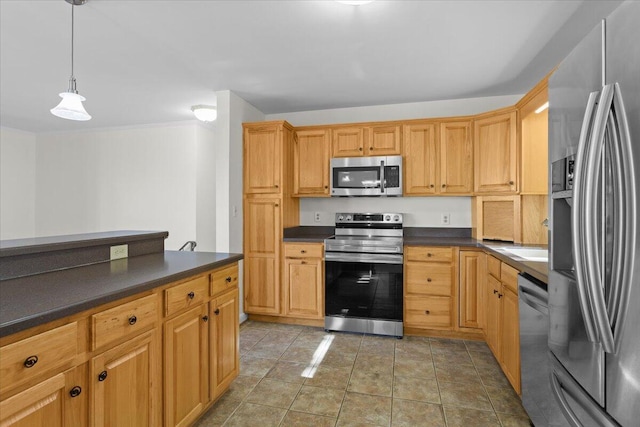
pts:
[383, 183]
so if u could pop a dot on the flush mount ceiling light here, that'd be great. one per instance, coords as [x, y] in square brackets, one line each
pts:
[71, 105]
[205, 113]
[354, 2]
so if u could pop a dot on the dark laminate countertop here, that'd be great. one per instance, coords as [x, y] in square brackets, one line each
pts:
[34, 300]
[308, 234]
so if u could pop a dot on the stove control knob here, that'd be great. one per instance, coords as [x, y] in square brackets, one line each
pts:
[396, 218]
[387, 218]
[348, 217]
[340, 218]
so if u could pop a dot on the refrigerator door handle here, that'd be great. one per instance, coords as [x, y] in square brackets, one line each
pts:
[578, 220]
[564, 405]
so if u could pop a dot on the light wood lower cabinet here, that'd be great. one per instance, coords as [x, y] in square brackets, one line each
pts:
[186, 366]
[225, 341]
[304, 281]
[470, 294]
[494, 317]
[510, 338]
[125, 384]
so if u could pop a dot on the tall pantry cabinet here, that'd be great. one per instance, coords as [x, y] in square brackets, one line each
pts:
[268, 208]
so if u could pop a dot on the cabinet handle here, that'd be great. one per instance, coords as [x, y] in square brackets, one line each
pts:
[444, 185]
[429, 255]
[431, 186]
[429, 279]
[510, 182]
[133, 320]
[191, 295]
[217, 311]
[326, 186]
[228, 279]
[371, 148]
[276, 186]
[303, 251]
[303, 262]
[499, 295]
[276, 205]
[102, 376]
[205, 318]
[495, 292]
[75, 392]
[360, 148]
[427, 312]
[30, 361]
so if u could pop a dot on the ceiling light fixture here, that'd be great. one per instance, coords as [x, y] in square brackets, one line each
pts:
[354, 2]
[71, 105]
[542, 107]
[205, 113]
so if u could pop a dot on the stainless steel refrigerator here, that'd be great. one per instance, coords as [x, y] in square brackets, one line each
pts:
[594, 270]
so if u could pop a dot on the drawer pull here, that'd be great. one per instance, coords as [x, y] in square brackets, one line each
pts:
[276, 186]
[429, 254]
[30, 361]
[75, 392]
[427, 312]
[102, 376]
[205, 318]
[133, 320]
[303, 262]
[431, 186]
[228, 279]
[217, 311]
[429, 279]
[191, 295]
[303, 251]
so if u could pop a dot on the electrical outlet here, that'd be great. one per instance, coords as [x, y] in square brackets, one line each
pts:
[445, 219]
[316, 217]
[120, 251]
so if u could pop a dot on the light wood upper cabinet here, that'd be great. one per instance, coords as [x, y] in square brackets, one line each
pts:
[225, 339]
[347, 141]
[125, 384]
[262, 159]
[495, 154]
[311, 163]
[420, 159]
[186, 366]
[383, 141]
[456, 158]
[303, 280]
[471, 285]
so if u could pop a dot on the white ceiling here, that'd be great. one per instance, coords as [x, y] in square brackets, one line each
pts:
[144, 61]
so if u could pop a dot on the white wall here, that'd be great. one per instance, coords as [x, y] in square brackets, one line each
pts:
[206, 147]
[118, 179]
[17, 184]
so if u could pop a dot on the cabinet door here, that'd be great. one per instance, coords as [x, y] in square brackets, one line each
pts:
[420, 159]
[262, 227]
[495, 154]
[262, 159]
[510, 338]
[347, 142]
[471, 274]
[225, 339]
[494, 317]
[125, 384]
[383, 141]
[186, 362]
[311, 163]
[456, 158]
[58, 401]
[303, 288]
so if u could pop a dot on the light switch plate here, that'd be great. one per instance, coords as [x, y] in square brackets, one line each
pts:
[119, 251]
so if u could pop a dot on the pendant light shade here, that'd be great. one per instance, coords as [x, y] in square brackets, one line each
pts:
[71, 107]
[205, 113]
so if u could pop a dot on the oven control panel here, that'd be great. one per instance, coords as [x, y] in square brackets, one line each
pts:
[376, 218]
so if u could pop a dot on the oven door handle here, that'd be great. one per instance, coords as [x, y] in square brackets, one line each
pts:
[383, 182]
[364, 258]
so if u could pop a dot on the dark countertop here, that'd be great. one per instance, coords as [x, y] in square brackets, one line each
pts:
[34, 300]
[309, 234]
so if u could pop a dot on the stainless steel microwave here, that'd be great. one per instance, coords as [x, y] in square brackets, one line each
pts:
[366, 176]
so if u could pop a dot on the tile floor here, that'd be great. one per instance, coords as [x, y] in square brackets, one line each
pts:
[303, 376]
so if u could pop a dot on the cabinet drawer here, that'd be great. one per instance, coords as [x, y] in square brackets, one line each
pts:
[428, 279]
[187, 294]
[299, 250]
[431, 254]
[493, 266]
[224, 278]
[427, 312]
[37, 354]
[509, 277]
[123, 320]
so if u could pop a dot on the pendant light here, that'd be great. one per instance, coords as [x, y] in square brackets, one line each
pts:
[71, 105]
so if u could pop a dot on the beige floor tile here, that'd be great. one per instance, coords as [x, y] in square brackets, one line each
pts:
[406, 413]
[248, 414]
[420, 368]
[484, 359]
[467, 395]
[330, 377]
[267, 350]
[413, 348]
[219, 412]
[414, 388]
[301, 419]
[373, 363]
[452, 357]
[241, 387]
[465, 417]
[274, 393]
[509, 420]
[362, 409]
[457, 373]
[372, 382]
[338, 358]
[477, 346]
[377, 346]
[505, 400]
[494, 379]
[446, 344]
[300, 354]
[256, 366]
[319, 401]
[290, 372]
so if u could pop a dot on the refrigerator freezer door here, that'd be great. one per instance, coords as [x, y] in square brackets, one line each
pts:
[623, 367]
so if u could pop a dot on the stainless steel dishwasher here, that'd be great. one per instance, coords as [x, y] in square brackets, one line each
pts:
[537, 397]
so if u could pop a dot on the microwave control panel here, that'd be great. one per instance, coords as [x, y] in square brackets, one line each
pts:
[392, 176]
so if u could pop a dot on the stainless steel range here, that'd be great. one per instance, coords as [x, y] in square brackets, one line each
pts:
[363, 274]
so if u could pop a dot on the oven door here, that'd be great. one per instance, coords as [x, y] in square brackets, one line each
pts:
[363, 293]
[360, 176]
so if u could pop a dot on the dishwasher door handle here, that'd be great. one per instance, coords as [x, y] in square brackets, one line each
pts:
[533, 301]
